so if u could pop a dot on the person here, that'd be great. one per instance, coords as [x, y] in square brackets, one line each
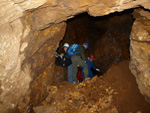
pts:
[91, 65]
[68, 63]
[79, 59]
[60, 60]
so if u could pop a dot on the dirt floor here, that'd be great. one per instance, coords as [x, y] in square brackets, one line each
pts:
[114, 92]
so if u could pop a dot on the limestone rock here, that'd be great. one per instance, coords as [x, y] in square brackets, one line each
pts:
[41, 61]
[140, 52]
[11, 65]
[58, 11]
[19, 55]
[63, 10]
[11, 10]
[140, 30]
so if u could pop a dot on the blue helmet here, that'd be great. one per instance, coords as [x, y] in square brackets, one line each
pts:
[86, 44]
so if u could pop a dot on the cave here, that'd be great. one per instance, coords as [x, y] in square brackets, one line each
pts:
[118, 35]
[107, 36]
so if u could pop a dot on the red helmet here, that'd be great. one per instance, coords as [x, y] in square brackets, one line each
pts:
[91, 56]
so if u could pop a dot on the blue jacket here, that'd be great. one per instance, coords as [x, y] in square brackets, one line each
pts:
[90, 65]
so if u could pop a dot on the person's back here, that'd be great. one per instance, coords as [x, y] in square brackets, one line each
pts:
[90, 65]
[79, 59]
[81, 50]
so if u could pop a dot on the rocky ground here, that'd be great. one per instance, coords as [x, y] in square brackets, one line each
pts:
[114, 92]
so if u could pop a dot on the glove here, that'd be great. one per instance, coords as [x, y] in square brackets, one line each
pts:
[56, 55]
[97, 69]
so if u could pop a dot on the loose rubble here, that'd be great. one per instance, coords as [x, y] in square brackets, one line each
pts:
[113, 92]
[88, 96]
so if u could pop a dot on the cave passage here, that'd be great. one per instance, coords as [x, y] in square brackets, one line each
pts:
[116, 91]
[109, 42]
[108, 37]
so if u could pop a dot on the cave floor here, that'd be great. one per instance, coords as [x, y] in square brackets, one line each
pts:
[114, 92]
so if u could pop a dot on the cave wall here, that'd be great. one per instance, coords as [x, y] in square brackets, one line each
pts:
[28, 39]
[140, 51]
[113, 46]
[38, 49]
[30, 64]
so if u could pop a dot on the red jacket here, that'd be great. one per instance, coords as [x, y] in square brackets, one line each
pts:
[79, 76]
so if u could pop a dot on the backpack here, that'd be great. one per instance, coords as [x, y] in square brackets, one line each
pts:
[72, 50]
[79, 75]
[60, 61]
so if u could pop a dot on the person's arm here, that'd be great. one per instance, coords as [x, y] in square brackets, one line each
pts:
[93, 66]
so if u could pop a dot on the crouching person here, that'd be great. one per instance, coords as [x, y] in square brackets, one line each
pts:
[77, 53]
[91, 65]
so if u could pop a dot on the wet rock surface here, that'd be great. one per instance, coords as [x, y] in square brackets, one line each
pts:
[112, 92]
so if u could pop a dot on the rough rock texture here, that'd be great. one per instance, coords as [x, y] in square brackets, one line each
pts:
[87, 97]
[23, 47]
[65, 9]
[113, 45]
[13, 9]
[61, 10]
[10, 66]
[38, 59]
[27, 63]
[60, 75]
[98, 95]
[140, 51]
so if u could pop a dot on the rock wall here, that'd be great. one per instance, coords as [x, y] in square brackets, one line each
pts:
[28, 43]
[140, 51]
[113, 46]
[29, 66]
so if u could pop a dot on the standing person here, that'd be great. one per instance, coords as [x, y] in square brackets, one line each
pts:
[79, 59]
[68, 63]
[90, 65]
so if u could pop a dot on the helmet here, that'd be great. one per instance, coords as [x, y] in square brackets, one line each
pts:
[66, 45]
[86, 44]
[91, 56]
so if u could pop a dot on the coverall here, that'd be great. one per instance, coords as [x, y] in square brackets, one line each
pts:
[79, 59]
